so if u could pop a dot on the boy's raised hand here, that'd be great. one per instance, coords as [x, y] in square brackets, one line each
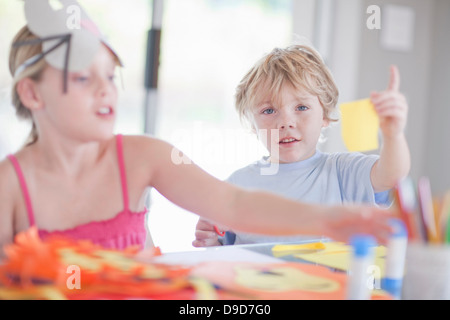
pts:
[391, 107]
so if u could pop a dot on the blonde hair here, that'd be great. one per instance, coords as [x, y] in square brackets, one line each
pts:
[20, 69]
[17, 56]
[298, 65]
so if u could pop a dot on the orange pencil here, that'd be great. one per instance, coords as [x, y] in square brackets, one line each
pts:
[444, 216]
[427, 210]
[404, 195]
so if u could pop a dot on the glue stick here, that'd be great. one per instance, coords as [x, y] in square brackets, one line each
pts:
[395, 259]
[358, 287]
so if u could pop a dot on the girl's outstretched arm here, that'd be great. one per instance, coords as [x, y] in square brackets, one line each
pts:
[187, 185]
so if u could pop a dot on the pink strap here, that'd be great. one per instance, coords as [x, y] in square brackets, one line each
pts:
[23, 186]
[123, 176]
[26, 195]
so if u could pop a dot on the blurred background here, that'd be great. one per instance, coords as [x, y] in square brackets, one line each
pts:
[207, 46]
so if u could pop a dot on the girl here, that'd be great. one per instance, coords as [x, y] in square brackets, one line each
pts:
[75, 178]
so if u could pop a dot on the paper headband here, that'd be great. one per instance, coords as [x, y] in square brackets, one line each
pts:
[70, 39]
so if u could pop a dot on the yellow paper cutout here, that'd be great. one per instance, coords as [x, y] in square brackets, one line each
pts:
[338, 256]
[360, 125]
[205, 290]
[281, 250]
[283, 279]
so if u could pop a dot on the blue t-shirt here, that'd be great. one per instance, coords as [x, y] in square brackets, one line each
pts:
[338, 178]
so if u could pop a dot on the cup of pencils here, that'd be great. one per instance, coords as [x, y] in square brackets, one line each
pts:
[426, 217]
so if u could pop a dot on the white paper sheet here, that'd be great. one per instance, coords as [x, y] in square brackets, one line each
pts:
[226, 253]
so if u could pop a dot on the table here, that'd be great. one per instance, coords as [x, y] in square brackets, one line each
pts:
[260, 253]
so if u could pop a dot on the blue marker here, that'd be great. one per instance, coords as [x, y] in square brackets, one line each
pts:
[395, 259]
[358, 287]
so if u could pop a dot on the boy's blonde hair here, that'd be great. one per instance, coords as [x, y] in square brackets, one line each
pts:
[298, 65]
[17, 56]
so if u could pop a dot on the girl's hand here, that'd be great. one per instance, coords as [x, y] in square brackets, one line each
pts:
[345, 221]
[391, 107]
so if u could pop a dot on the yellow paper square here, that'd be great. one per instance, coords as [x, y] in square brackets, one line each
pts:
[338, 256]
[360, 125]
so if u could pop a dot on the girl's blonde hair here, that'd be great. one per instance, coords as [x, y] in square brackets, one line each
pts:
[298, 65]
[17, 56]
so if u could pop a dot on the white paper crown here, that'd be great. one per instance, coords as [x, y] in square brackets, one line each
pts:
[70, 39]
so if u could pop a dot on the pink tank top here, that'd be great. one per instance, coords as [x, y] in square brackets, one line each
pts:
[124, 230]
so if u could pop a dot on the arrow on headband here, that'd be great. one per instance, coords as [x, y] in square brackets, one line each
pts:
[53, 31]
[64, 39]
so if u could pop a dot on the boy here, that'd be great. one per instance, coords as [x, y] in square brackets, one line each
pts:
[287, 98]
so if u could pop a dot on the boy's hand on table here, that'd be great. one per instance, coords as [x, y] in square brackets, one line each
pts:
[205, 234]
[391, 106]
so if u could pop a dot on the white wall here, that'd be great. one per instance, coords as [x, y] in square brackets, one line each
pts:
[415, 68]
[437, 151]
[360, 64]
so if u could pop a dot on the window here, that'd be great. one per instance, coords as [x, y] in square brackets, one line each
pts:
[12, 132]
[207, 47]
[124, 25]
